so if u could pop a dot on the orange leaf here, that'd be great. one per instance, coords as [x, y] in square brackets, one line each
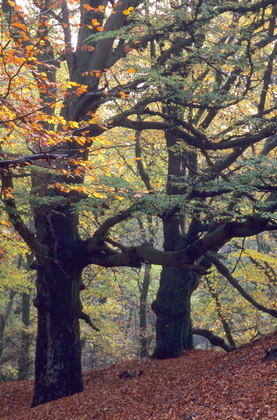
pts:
[87, 7]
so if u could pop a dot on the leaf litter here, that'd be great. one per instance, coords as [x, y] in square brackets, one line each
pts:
[201, 384]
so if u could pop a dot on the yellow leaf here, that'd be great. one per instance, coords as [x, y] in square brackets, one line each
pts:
[70, 84]
[73, 124]
[99, 195]
[95, 22]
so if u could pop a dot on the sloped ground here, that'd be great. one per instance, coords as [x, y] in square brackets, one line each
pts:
[199, 385]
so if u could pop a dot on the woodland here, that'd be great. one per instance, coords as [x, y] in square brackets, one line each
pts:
[138, 184]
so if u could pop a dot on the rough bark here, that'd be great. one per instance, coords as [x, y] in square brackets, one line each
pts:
[172, 307]
[58, 371]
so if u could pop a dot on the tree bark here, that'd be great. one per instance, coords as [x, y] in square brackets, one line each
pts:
[172, 304]
[173, 311]
[58, 371]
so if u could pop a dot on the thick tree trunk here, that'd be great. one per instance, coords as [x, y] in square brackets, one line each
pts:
[58, 371]
[172, 307]
[172, 304]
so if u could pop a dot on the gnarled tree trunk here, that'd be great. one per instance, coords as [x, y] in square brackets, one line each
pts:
[172, 308]
[58, 369]
[58, 353]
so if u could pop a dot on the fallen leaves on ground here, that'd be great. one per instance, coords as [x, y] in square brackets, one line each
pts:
[201, 384]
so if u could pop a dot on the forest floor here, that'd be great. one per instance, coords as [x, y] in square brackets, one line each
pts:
[200, 384]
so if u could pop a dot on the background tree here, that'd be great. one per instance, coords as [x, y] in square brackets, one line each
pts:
[202, 77]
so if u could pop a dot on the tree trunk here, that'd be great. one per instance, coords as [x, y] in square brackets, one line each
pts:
[58, 371]
[3, 321]
[23, 360]
[172, 307]
[143, 350]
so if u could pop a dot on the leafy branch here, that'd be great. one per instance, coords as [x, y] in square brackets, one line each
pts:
[222, 269]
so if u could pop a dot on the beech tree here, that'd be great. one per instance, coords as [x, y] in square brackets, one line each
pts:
[191, 88]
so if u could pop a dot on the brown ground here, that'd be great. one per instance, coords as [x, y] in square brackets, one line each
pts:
[201, 384]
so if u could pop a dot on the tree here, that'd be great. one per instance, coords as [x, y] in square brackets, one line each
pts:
[199, 75]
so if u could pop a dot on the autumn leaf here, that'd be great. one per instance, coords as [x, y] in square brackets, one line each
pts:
[87, 7]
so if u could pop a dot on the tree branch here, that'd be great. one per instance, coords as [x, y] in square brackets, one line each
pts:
[215, 340]
[143, 174]
[226, 273]
[29, 159]
[226, 231]
[87, 319]
[26, 234]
